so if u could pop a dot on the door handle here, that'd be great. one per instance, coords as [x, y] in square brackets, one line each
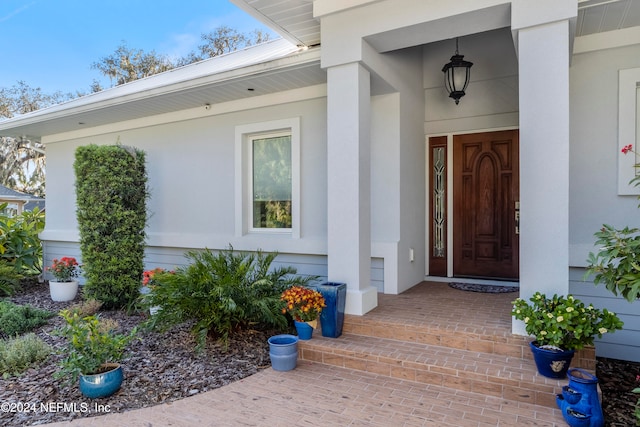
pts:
[517, 217]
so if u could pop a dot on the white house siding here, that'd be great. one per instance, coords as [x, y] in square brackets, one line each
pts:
[171, 258]
[623, 344]
[594, 198]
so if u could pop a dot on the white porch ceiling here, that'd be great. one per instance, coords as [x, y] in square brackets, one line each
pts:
[293, 19]
[598, 16]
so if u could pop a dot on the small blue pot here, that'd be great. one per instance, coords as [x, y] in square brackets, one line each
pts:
[305, 331]
[103, 384]
[283, 351]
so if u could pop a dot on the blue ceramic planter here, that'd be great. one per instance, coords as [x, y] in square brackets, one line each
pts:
[103, 384]
[283, 351]
[551, 363]
[332, 316]
[579, 400]
[305, 331]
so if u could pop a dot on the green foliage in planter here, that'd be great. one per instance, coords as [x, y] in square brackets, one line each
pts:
[617, 264]
[20, 245]
[91, 342]
[9, 279]
[18, 319]
[223, 292]
[111, 193]
[20, 353]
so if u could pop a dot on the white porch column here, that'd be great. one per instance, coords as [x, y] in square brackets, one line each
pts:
[543, 53]
[349, 184]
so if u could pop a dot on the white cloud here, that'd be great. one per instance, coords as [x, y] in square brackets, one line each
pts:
[16, 12]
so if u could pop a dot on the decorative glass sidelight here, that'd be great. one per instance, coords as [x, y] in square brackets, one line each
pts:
[439, 201]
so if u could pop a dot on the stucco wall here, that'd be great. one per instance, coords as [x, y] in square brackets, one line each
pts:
[191, 178]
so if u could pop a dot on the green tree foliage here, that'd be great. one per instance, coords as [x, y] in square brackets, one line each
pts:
[23, 160]
[126, 64]
[111, 194]
[20, 245]
[223, 292]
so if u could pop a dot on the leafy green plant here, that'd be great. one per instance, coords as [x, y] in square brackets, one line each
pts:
[91, 342]
[20, 353]
[18, 319]
[111, 194]
[20, 245]
[223, 292]
[564, 322]
[617, 264]
[9, 279]
[637, 407]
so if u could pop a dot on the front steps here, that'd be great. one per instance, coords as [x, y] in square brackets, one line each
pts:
[480, 360]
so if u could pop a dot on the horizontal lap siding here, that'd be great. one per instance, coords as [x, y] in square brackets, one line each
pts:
[623, 344]
[170, 258]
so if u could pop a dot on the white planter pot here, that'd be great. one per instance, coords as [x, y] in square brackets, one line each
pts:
[63, 291]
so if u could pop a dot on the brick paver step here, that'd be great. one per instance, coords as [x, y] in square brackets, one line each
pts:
[506, 377]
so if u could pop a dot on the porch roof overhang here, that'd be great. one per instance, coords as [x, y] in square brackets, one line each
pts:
[273, 67]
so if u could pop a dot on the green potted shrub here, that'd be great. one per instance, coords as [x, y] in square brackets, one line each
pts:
[560, 326]
[93, 353]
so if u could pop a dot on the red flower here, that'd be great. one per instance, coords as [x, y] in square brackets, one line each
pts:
[627, 148]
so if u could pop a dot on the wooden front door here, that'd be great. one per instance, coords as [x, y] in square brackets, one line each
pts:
[486, 197]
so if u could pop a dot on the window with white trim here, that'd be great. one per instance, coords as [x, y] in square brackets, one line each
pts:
[268, 178]
[628, 125]
[271, 181]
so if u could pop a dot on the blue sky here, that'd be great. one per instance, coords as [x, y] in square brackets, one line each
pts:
[51, 44]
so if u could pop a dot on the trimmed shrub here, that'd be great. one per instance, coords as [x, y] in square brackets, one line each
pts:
[20, 353]
[18, 319]
[111, 193]
[223, 292]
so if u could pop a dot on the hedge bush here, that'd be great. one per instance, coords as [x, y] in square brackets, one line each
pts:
[111, 194]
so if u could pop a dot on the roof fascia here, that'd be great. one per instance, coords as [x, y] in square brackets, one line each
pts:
[113, 97]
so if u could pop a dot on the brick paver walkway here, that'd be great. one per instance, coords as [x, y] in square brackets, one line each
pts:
[319, 395]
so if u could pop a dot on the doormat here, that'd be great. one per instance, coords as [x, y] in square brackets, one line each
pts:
[487, 289]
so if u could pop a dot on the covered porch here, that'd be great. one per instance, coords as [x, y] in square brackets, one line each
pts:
[434, 334]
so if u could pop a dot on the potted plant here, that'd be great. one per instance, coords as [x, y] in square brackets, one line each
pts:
[64, 287]
[304, 305]
[561, 325]
[93, 353]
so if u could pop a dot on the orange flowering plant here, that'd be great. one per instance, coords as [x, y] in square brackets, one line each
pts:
[64, 269]
[303, 304]
[148, 277]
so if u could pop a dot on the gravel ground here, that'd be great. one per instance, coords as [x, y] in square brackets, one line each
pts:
[164, 367]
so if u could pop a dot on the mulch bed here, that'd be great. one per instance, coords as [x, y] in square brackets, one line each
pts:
[162, 367]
